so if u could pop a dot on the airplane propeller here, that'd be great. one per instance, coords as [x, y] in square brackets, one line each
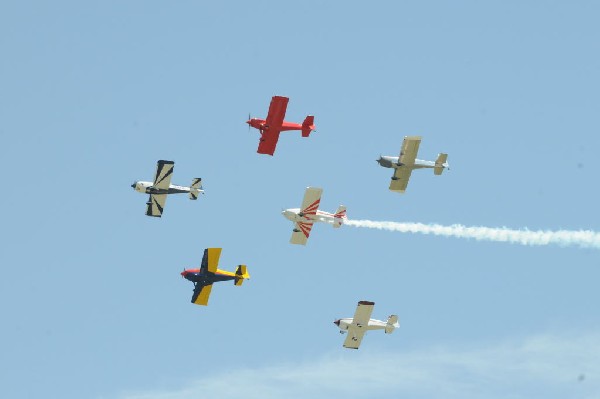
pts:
[249, 117]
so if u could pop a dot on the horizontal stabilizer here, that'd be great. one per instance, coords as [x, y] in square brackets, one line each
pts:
[308, 125]
[196, 188]
[392, 324]
[241, 273]
[339, 217]
[440, 163]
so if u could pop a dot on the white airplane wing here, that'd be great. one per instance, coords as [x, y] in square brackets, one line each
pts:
[360, 323]
[410, 148]
[363, 313]
[164, 171]
[311, 201]
[301, 233]
[155, 205]
[408, 154]
[354, 338]
[400, 179]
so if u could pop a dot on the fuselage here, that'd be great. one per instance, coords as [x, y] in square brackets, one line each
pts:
[196, 276]
[146, 187]
[346, 324]
[394, 162]
[294, 215]
[261, 125]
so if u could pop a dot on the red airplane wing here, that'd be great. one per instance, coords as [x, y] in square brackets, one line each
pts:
[273, 124]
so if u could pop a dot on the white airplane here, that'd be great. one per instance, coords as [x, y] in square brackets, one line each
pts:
[357, 326]
[309, 213]
[162, 187]
[407, 161]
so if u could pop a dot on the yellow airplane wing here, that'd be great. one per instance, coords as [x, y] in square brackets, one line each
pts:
[210, 260]
[201, 294]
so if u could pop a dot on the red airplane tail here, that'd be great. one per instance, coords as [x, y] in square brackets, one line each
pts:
[308, 125]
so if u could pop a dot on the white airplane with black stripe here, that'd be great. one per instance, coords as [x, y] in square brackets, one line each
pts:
[161, 187]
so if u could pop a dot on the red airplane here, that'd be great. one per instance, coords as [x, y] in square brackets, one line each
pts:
[274, 124]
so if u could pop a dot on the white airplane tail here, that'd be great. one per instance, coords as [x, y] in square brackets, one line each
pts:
[440, 164]
[340, 216]
[196, 188]
[392, 324]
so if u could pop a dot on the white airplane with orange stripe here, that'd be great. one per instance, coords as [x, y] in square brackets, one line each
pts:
[309, 213]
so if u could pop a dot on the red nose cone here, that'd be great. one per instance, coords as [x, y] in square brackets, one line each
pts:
[183, 273]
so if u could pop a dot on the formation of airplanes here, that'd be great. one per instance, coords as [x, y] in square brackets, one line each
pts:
[303, 218]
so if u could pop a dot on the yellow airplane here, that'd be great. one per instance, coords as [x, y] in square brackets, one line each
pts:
[204, 277]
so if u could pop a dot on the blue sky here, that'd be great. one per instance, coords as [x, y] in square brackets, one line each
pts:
[93, 95]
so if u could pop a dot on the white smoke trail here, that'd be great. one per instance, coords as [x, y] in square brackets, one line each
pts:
[581, 238]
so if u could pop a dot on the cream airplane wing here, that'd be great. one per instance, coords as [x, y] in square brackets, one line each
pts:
[360, 323]
[155, 205]
[300, 233]
[362, 315]
[410, 148]
[400, 179]
[408, 154]
[311, 200]
[164, 171]
[354, 338]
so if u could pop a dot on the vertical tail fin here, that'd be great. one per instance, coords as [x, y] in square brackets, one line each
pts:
[340, 216]
[440, 164]
[241, 273]
[196, 188]
[392, 324]
[308, 125]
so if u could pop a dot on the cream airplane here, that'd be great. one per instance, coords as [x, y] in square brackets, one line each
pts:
[309, 213]
[162, 187]
[407, 161]
[357, 326]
